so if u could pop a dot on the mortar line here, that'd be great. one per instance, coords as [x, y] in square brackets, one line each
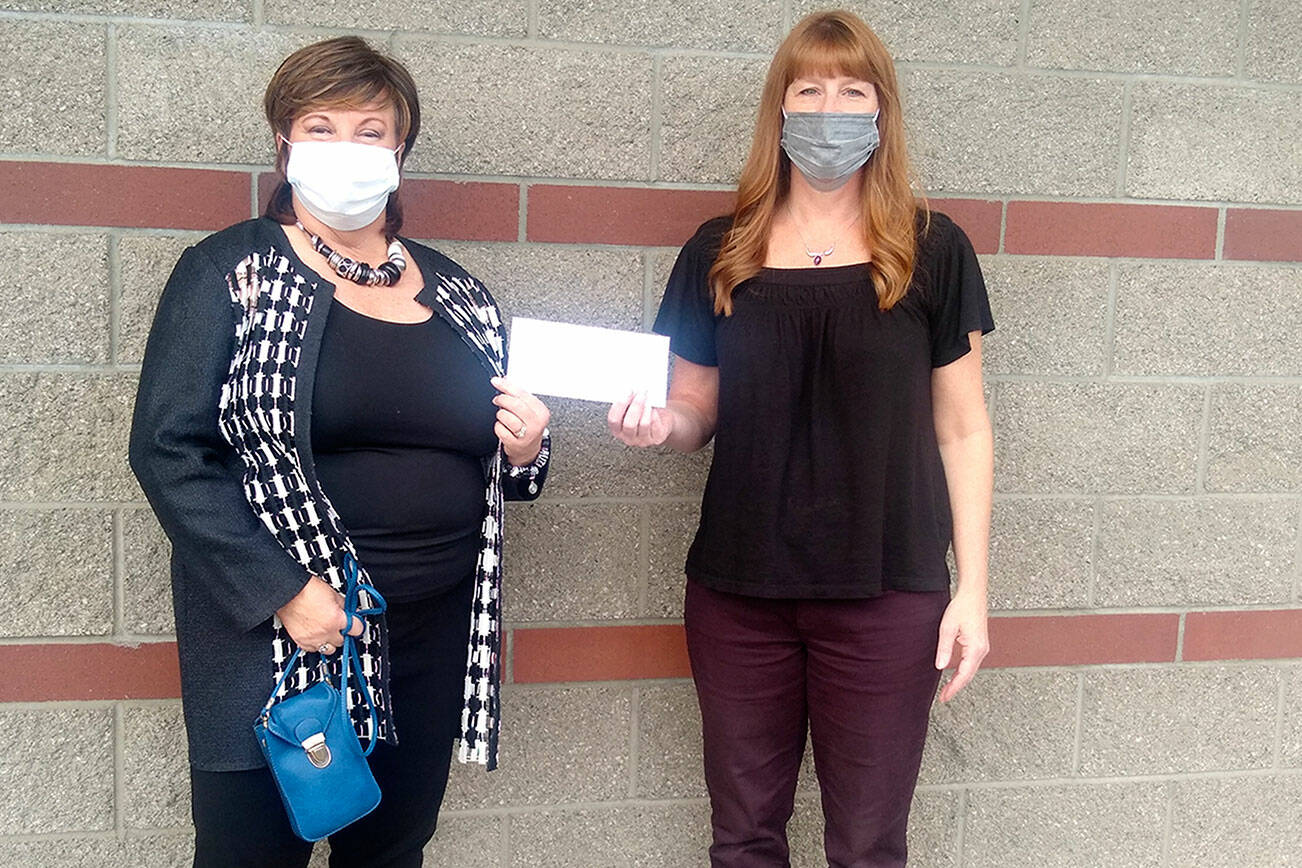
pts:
[1123, 156]
[119, 770]
[531, 22]
[119, 573]
[960, 829]
[1168, 824]
[1078, 734]
[788, 14]
[259, 13]
[634, 738]
[1179, 640]
[1023, 34]
[1204, 437]
[110, 91]
[1241, 46]
[1003, 227]
[504, 840]
[1110, 320]
[643, 558]
[1091, 598]
[1280, 704]
[1297, 558]
[114, 297]
[648, 290]
[657, 112]
[1221, 214]
[253, 195]
[522, 214]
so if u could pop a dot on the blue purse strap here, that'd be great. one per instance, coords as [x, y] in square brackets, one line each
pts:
[348, 655]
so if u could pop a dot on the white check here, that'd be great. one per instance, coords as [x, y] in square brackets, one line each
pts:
[586, 362]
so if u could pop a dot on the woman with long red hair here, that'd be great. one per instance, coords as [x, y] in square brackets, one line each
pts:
[827, 337]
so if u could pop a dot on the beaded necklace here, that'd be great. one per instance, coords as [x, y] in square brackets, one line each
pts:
[384, 274]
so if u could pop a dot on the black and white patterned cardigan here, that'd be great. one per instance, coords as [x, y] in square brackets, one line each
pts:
[276, 308]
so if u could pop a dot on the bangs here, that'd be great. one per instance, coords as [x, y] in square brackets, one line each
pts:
[354, 95]
[829, 50]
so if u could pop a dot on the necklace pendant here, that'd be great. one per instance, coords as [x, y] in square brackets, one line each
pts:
[818, 259]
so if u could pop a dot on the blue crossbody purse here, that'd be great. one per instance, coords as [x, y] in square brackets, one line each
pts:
[309, 742]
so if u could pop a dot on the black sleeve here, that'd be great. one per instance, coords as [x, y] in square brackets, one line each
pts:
[687, 310]
[189, 473]
[960, 303]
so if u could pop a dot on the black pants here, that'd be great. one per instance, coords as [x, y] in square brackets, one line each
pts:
[240, 821]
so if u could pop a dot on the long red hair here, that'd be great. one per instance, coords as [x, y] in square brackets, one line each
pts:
[826, 44]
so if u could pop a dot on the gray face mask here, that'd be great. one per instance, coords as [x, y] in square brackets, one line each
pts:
[829, 147]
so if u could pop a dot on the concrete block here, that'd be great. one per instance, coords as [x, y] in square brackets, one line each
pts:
[591, 286]
[146, 261]
[673, 526]
[509, 110]
[559, 745]
[1006, 725]
[58, 572]
[933, 825]
[1196, 553]
[57, 765]
[53, 86]
[1090, 437]
[1163, 720]
[156, 767]
[708, 120]
[49, 318]
[669, 761]
[1274, 31]
[466, 842]
[1210, 142]
[638, 836]
[212, 10]
[168, 108]
[982, 132]
[588, 462]
[146, 579]
[1128, 37]
[475, 17]
[1080, 826]
[751, 25]
[1163, 312]
[67, 436]
[973, 31]
[572, 562]
[168, 850]
[1255, 438]
[1291, 722]
[1051, 314]
[1237, 821]
[1041, 554]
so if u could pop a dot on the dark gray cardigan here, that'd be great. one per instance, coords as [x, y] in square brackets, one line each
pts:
[229, 573]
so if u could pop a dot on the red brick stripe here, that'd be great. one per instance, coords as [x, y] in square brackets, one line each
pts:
[37, 673]
[1243, 635]
[979, 218]
[447, 210]
[620, 215]
[1263, 235]
[600, 653]
[1083, 229]
[40, 673]
[1060, 640]
[68, 194]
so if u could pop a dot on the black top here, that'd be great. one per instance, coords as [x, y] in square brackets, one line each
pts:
[827, 480]
[402, 421]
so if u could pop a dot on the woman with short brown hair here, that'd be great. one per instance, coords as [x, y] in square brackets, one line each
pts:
[317, 391]
[827, 337]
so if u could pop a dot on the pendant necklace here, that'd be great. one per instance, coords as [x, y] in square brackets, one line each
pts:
[814, 255]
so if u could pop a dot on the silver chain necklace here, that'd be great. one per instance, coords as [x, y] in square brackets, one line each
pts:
[831, 248]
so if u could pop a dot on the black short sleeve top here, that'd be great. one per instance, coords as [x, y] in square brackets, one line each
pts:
[826, 480]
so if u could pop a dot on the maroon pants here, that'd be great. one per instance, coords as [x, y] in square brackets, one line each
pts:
[859, 674]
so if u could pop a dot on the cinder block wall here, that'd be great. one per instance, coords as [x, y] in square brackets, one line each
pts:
[1132, 177]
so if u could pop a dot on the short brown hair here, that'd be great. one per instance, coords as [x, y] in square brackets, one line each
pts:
[344, 72]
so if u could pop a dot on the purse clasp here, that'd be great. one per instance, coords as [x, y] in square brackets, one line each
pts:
[318, 753]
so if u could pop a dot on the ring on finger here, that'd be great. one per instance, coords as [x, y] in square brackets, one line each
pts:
[327, 648]
[524, 429]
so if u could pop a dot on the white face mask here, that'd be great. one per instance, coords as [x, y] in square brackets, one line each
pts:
[345, 185]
